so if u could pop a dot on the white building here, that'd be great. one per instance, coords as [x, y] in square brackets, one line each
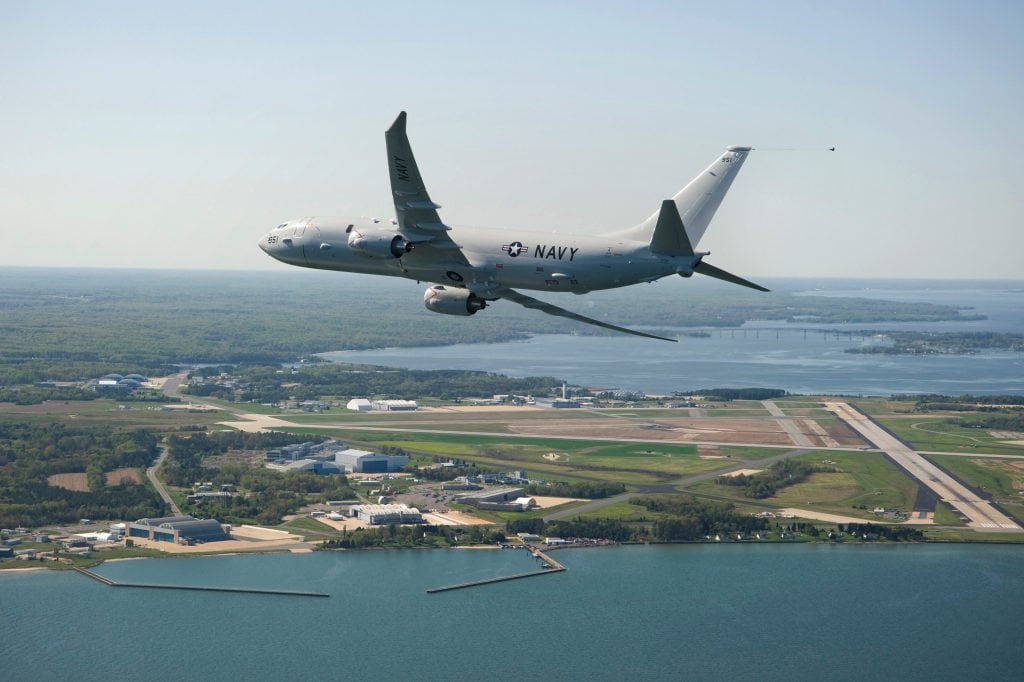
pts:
[377, 514]
[364, 405]
[392, 405]
[359, 405]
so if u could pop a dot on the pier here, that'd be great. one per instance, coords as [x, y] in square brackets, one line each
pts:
[550, 567]
[199, 588]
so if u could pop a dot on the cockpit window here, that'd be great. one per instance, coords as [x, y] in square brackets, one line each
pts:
[282, 225]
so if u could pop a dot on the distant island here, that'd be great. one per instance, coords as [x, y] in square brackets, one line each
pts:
[941, 343]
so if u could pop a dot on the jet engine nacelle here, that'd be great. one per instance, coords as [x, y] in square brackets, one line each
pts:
[378, 243]
[449, 301]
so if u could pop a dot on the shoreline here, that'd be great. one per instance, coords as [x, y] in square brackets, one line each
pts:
[553, 548]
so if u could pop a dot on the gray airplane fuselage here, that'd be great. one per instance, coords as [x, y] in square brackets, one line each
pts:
[538, 261]
[469, 268]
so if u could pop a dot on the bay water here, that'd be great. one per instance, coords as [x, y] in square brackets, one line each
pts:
[741, 611]
[798, 357]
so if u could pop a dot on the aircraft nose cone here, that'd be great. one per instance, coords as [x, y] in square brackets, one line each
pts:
[263, 244]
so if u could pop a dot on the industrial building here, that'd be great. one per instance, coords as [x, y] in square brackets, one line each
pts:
[117, 381]
[99, 537]
[460, 485]
[205, 496]
[366, 462]
[309, 456]
[499, 499]
[179, 529]
[378, 514]
[364, 405]
[557, 403]
[315, 465]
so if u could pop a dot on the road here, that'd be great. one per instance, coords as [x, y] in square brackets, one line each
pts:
[151, 474]
[170, 389]
[981, 514]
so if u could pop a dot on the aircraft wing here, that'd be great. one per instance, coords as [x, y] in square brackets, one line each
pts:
[416, 212]
[536, 304]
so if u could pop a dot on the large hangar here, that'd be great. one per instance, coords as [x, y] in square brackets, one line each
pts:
[366, 462]
[178, 529]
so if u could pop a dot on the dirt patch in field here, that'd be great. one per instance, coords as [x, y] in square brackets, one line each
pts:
[454, 518]
[742, 472]
[76, 482]
[124, 476]
[842, 434]
[80, 482]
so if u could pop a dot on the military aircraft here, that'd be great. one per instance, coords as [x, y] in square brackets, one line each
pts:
[471, 267]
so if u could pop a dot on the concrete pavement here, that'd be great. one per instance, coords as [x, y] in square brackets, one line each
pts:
[982, 515]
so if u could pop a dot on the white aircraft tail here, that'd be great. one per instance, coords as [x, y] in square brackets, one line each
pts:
[696, 203]
[681, 221]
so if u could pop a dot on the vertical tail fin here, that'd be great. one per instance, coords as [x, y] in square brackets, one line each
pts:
[669, 235]
[697, 202]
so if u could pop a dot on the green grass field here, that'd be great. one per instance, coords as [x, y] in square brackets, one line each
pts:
[135, 415]
[862, 479]
[876, 407]
[944, 516]
[306, 524]
[935, 435]
[631, 463]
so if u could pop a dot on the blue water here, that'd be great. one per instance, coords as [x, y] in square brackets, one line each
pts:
[763, 353]
[738, 612]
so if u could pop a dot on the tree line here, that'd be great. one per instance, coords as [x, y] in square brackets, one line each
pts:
[690, 519]
[777, 476]
[393, 535]
[267, 383]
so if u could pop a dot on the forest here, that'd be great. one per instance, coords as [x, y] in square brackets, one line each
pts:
[30, 453]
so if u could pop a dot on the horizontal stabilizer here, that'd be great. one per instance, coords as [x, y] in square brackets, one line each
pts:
[711, 271]
[536, 304]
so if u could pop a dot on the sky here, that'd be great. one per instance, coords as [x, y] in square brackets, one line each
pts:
[173, 135]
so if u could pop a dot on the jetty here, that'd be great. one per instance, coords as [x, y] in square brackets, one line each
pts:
[198, 588]
[550, 567]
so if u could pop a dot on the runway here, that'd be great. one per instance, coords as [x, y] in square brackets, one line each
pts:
[981, 514]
